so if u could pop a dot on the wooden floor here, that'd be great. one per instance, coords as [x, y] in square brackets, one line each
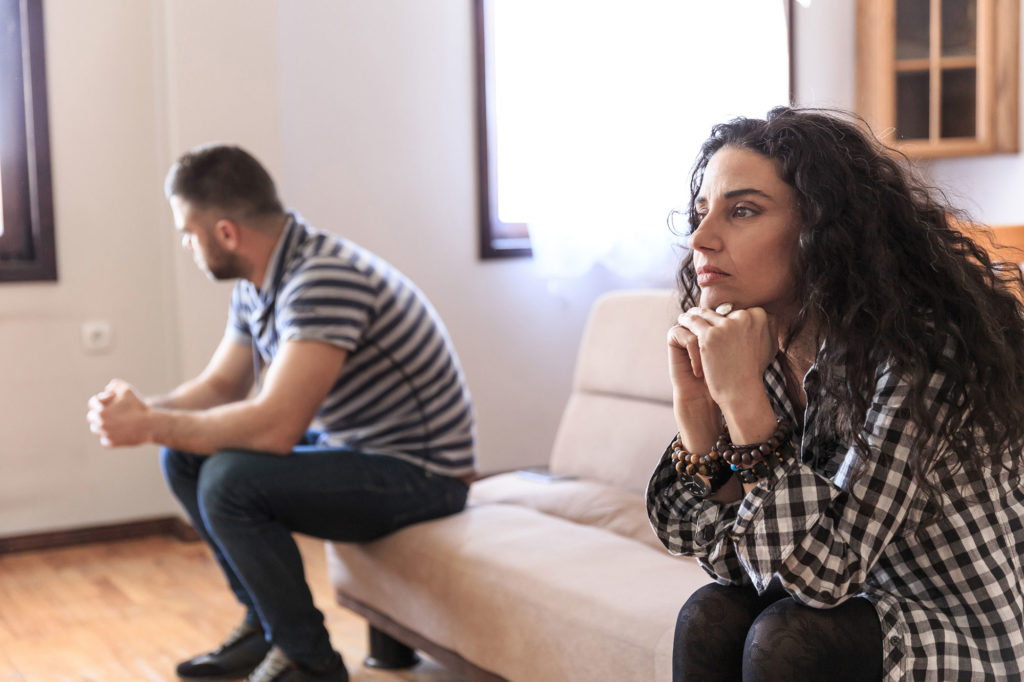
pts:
[129, 611]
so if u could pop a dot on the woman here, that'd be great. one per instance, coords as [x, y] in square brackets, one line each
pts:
[848, 381]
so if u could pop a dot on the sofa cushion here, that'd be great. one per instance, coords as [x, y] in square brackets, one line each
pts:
[619, 417]
[623, 350]
[586, 502]
[531, 596]
[611, 439]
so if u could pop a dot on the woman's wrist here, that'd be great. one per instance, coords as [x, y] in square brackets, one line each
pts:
[698, 422]
[751, 419]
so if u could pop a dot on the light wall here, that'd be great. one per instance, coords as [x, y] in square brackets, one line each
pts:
[363, 111]
[105, 135]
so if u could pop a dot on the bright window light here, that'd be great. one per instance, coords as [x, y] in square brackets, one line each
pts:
[601, 106]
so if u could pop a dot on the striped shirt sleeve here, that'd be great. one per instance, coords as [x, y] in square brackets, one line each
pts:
[326, 300]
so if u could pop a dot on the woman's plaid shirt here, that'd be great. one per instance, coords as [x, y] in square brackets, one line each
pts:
[949, 594]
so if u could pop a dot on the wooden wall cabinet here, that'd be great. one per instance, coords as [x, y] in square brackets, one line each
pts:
[939, 78]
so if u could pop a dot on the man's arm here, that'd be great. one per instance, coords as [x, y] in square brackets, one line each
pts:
[228, 377]
[271, 421]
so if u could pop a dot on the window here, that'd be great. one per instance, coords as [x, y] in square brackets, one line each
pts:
[26, 209]
[590, 115]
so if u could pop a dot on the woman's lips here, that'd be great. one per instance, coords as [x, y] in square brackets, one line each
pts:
[708, 275]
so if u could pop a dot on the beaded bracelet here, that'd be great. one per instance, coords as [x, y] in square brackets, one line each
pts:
[692, 464]
[753, 463]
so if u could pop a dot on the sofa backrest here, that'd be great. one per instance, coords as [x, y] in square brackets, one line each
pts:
[619, 416]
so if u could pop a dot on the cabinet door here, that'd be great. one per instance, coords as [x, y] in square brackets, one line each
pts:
[939, 77]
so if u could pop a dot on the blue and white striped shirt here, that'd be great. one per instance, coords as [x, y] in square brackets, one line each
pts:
[401, 391]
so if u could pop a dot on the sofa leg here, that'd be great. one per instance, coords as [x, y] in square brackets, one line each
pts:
[388, 653]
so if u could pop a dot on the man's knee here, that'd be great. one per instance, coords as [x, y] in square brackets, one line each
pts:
[180, 469]
[224, 480]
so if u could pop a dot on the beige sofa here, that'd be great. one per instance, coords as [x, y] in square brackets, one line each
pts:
[548, 580]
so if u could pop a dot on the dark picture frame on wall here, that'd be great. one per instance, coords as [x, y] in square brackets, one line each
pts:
[27, 249]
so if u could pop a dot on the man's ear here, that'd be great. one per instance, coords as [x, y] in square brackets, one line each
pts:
[228, 233]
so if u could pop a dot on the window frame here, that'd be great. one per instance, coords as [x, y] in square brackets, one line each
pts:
[27, 246]
[497, 238]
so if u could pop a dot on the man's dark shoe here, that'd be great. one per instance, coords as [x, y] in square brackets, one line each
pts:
[277, 667]
[236, 657]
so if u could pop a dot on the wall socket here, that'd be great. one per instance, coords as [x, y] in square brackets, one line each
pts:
[97, 336]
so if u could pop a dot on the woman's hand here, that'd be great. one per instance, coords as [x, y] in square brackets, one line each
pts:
[698, 418]
[728, 353]
[684, 364]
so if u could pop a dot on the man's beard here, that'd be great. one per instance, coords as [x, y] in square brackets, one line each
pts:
[222, 264]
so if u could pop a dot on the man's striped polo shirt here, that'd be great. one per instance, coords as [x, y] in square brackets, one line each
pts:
[401, 391]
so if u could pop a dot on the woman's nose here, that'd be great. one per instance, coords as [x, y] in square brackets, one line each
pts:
[704, 236]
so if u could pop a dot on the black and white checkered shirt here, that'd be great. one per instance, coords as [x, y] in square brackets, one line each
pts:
[949, 595]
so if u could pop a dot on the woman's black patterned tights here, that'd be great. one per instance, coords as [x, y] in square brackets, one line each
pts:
[732, 633]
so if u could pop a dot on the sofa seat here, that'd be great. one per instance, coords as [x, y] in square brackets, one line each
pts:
[534, 595]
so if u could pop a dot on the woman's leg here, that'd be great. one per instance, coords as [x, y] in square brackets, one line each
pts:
[791, 641]
[712, 628]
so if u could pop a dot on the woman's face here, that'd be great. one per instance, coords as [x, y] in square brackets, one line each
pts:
[744, 247]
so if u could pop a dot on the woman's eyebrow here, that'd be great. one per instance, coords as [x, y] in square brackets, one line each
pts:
[731, 194]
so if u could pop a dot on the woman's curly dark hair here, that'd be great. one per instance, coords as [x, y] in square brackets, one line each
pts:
[890, 279]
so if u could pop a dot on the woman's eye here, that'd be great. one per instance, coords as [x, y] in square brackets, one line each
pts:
[695, 219]
[744, 212]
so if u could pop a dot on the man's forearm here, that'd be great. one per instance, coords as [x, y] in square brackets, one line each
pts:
[242, 425]
[193, 395]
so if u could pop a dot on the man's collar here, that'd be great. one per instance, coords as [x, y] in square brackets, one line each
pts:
[278, 259]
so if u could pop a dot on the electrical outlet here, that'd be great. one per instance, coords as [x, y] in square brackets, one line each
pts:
[97, 336]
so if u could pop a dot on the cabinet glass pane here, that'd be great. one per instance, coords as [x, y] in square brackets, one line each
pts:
[912, 18]
[959, 28]
[959, 103]
[912, 105]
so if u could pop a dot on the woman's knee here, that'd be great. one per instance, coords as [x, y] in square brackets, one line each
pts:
[710, 630]
[789, 640]
[716, 603]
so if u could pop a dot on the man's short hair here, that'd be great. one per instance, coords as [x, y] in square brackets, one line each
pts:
[223, 177]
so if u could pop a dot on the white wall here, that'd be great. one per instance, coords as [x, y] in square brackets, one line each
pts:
[221, 78]
[824, 50]
[105, 139]
[131, 85]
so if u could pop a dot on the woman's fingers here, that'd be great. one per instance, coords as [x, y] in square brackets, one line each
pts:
[686, 340]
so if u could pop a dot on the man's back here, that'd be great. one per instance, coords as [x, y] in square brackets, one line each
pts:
[401, 391]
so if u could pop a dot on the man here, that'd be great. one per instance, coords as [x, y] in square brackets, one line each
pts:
[362, 424]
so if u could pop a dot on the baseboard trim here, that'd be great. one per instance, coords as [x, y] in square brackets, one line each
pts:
[169, 525]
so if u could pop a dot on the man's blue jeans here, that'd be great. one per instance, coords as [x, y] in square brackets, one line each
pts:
[246, 505]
